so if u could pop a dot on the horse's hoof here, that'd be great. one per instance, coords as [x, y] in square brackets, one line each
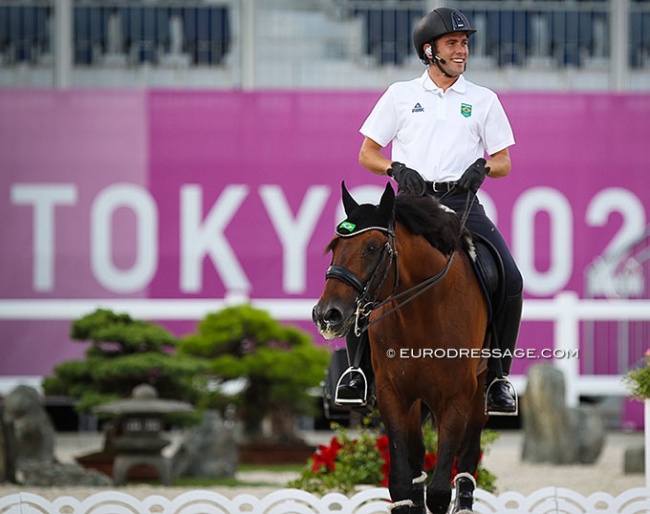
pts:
[438, 501]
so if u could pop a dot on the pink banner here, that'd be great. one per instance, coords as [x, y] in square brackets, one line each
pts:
[121, 194]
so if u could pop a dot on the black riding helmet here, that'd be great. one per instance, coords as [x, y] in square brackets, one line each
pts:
[437, 23]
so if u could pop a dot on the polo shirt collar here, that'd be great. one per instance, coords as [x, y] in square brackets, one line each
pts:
[460, 86]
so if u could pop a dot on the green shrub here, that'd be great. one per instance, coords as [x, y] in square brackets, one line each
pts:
[280, 365]
[348, 462]
[124, 353]
[638, 380]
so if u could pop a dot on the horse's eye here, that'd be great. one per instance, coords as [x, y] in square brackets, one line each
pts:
[372, 248]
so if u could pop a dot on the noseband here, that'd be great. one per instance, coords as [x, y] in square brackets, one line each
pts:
[367, 298]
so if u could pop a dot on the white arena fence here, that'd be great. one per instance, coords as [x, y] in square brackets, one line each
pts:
[549, 500]
[566, 311]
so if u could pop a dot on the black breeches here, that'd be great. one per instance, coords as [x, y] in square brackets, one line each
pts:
[479, 223]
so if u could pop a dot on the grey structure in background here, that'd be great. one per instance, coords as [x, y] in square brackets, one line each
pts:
[29, 458]
[561, 45]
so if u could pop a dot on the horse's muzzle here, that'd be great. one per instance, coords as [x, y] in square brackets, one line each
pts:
[331, 320]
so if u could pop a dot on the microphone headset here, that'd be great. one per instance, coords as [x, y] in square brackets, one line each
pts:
[430, 54]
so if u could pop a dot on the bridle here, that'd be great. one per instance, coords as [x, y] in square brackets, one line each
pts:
[366, 301]
[368, 293]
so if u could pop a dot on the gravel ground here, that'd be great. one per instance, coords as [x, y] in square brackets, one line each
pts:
[606, 474]
[503, 460]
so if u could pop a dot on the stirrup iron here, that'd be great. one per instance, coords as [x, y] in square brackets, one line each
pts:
[347, 401]
[514, 395]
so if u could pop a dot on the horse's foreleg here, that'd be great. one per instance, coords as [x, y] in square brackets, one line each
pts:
[416, 451]
[469, 454]
[465, 485]
[467, 465]
[405, 480]
[450, 434]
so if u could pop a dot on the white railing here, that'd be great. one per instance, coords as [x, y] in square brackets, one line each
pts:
[291, 501]
[566, 311]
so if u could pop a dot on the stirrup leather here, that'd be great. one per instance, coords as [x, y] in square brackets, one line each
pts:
[352, 401]
[514, 395]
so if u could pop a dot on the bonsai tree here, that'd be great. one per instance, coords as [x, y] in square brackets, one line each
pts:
[124, 353]
[279, 364]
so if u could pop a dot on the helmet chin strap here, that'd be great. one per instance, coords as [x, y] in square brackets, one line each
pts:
[439, 61]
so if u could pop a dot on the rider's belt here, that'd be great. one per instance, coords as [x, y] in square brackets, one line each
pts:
[440, 187]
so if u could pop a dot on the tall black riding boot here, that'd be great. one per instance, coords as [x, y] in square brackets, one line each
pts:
[356, 384]
[501, 396]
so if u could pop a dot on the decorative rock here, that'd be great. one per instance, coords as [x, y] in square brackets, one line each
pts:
[7, 459]
[590, 433]
[546, 419]
[210, 450]
[33, 445]
[634, 461]
[554, 433]
[33, 432]
[57, 474]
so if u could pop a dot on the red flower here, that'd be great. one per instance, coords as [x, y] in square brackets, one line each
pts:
[326, 455]
[430, 461]
[384, 452]
[382, 445]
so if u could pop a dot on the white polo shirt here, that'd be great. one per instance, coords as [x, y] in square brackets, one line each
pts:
[439, 134]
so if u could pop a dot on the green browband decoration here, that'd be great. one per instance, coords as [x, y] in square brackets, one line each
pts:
[347, 225]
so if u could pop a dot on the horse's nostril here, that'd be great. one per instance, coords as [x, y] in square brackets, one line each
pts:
[327, 317]
[333, 316]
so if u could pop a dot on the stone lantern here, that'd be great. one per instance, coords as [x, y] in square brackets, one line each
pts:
[140, 421]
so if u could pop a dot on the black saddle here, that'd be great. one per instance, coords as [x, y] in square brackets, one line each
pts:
[490, 272]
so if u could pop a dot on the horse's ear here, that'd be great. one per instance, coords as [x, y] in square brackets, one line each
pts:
[387, 202]
[349, 203]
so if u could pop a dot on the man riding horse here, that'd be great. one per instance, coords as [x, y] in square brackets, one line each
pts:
[443, 126]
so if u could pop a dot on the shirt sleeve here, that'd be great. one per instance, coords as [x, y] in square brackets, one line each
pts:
[381, 123]
[497, 132]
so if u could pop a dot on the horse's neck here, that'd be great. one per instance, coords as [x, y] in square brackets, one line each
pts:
[418, 260]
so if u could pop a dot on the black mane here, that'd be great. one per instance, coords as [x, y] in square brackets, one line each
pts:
[425, 216]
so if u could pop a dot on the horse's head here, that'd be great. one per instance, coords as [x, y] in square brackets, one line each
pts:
[362, 255]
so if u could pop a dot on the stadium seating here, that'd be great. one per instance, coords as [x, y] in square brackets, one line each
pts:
[24, 32]
[388, 32]
[144, 32]
[640, 40]
[508, 42]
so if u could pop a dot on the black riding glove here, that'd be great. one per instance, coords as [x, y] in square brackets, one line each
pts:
[474, 176]
[407, 179]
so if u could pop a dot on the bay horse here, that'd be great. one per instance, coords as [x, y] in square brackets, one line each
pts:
[402, 271]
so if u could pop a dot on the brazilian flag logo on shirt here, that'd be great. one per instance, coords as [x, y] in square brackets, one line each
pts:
[466, 110]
